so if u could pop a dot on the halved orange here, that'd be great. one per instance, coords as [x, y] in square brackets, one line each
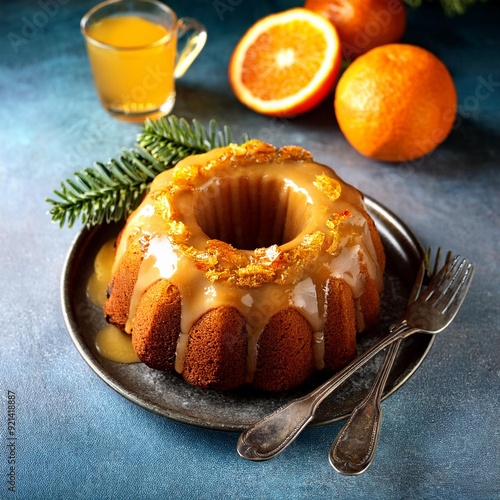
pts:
[286, 63]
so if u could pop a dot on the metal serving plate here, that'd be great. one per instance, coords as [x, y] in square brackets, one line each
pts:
[168, 395]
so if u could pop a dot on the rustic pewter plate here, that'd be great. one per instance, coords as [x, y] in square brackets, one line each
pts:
[168, 395]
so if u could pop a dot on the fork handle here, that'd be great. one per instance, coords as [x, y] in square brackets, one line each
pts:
[353, 450]
[270, 436]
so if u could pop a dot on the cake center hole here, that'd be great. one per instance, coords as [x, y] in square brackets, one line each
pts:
[251, 213]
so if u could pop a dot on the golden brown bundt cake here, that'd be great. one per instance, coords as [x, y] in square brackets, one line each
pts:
[247, 264]
[217, 348]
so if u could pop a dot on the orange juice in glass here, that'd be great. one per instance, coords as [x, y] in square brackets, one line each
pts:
[132, 47]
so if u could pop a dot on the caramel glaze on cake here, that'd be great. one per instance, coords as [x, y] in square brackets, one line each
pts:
[247, 264]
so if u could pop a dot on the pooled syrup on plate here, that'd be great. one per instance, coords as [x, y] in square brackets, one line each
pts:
[111, 342]
[115, 345]
[101, 277]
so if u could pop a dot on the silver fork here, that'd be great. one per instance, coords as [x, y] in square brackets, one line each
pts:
[354, 448]
[432, 312]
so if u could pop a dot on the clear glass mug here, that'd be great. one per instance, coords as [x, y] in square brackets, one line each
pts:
[132, 47]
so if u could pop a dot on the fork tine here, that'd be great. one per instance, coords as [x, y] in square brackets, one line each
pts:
[449, 294]
[459, 294]
[419, 279]
[453, 275]
[436, 261]
[441, 275]
[437, 276]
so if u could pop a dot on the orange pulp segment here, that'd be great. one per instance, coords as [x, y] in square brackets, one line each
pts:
[286, 63]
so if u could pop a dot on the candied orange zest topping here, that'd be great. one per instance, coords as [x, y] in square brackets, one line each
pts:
[221, 262]
[328, 186]
[334, 223]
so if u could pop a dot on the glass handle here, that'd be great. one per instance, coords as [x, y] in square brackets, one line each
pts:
[196, 38]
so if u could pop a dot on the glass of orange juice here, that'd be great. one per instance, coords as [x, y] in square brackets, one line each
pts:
[132, 47]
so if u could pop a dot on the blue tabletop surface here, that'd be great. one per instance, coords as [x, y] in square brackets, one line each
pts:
[77, 438]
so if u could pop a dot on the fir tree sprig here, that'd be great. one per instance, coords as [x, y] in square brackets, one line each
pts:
[172, 136]
[106, 192]
[109, 191]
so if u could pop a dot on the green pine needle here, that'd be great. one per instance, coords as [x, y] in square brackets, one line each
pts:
[108, 192]
[450, 7]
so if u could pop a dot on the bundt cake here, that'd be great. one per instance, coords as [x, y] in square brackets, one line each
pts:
[247, 265]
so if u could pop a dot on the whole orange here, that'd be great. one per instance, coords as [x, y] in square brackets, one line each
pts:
[396, 103]
[363, 24]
